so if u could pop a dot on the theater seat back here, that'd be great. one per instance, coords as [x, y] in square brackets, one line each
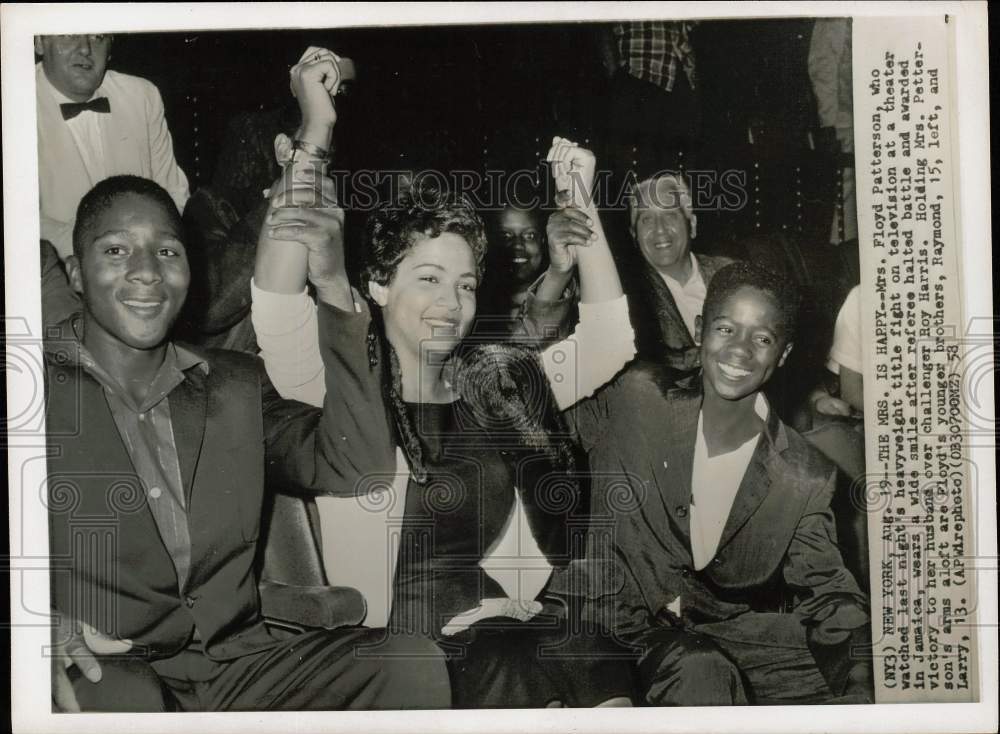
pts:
[294, 593]
[291, 542]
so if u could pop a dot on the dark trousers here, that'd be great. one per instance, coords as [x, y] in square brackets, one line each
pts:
[759, 658]
[357, 669]
[504, 663]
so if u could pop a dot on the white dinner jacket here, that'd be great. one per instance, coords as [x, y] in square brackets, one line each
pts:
[135, 140]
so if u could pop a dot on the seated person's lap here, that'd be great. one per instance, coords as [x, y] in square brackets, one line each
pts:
[357, 668]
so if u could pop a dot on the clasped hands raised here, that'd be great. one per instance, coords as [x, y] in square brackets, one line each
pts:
[303, 202]
[572, 226]
[304, 206]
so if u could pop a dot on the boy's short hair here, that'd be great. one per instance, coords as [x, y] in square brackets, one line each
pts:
[96, 201]
[423, 211]
[734, 276]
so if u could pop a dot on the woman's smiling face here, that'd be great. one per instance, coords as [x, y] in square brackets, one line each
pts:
[430, 302]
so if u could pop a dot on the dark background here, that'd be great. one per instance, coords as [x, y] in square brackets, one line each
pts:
[478, 97]
[473, 97]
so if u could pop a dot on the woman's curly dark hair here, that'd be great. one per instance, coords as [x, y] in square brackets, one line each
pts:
[420, 211]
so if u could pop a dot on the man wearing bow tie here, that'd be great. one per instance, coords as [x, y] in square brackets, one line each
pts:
[92, 124]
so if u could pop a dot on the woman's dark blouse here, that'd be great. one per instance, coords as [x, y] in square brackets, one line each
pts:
[451, 520]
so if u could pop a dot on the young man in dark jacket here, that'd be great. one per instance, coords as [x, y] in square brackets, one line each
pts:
[161, 454]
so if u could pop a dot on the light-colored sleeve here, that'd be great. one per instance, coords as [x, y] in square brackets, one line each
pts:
[825, 49]
[166, 172]
[288, 337]
[602, 343]
[846, 349]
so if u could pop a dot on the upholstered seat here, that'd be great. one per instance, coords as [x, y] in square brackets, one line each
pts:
[293, 588]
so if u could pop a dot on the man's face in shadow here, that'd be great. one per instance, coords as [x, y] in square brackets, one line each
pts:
[523, 240]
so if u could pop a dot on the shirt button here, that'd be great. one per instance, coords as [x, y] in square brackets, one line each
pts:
[142, 416]
[155, 493]
[665, 464]
[682, 511]
[189, 600]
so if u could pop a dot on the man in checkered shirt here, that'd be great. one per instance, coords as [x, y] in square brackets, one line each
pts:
[655, 110]
[653, 50]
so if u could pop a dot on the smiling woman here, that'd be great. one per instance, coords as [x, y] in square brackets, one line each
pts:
[430, 302]
[467, 432]
[523, 233]
[472, 448]
[425, 262]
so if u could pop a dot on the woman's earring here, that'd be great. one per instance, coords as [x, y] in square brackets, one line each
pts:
[372, 344]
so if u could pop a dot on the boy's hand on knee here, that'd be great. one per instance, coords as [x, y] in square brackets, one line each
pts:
[102, 644]
[63, 695]
[830, 405]
[70, 648]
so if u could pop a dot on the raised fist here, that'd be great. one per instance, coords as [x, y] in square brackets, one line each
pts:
[314, 81]
[573, 169]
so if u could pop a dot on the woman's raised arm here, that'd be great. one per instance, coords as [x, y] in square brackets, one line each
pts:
[603, 341]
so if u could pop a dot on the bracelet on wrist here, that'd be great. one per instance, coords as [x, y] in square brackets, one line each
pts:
[311, 150]
[300, 162]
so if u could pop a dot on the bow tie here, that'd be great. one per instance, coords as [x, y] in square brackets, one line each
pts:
[72, 109]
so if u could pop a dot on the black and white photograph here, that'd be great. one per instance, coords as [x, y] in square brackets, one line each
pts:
[408, 360]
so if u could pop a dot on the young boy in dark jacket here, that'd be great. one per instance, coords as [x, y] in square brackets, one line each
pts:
[712, 547]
